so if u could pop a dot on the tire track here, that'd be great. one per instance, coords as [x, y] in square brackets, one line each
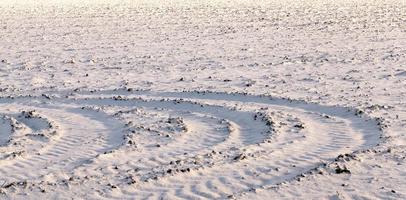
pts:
[226, 150]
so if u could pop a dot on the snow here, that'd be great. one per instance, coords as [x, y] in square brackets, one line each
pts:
[190, 99]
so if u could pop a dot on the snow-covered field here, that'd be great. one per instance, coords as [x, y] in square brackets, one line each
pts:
[189, 99]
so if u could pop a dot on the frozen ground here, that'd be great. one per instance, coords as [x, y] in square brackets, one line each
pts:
[213, 100]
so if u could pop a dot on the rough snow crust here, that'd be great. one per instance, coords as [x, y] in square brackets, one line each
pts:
[196, 99]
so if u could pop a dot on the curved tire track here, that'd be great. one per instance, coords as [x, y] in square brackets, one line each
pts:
[307, 134]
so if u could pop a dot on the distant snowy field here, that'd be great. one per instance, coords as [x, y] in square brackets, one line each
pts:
[187, 99]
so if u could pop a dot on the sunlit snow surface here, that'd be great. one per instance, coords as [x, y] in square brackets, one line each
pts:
[202, 99]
